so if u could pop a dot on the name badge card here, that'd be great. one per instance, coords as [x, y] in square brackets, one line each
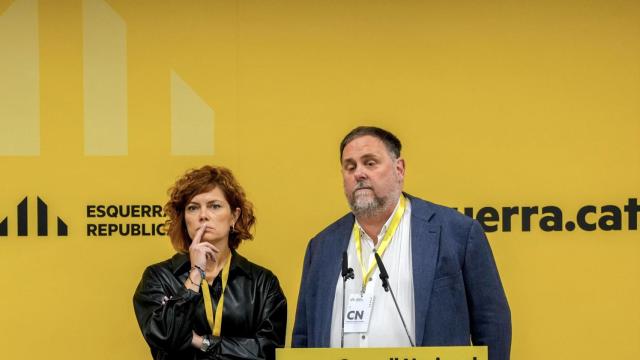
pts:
[358, 311]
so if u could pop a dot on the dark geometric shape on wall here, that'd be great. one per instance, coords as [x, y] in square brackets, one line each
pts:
[43, 225]
[62, 228]
[42, 220]
[4, 230]
[23, 218]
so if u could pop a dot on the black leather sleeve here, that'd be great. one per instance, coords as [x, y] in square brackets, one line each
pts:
[165, 310]
[270, 333]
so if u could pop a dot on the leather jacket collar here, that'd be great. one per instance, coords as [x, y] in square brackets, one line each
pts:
[180, 264]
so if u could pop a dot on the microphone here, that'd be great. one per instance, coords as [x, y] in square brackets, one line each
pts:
[347, 273]
[384, 276]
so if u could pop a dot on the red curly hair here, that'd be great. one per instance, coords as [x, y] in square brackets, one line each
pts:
[198, 181]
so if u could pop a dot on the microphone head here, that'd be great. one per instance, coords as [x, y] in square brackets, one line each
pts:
[383, 271]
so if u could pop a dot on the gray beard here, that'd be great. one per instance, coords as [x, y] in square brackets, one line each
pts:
[369, 207]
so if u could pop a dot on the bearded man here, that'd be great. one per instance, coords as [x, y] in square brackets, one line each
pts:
[439, 263]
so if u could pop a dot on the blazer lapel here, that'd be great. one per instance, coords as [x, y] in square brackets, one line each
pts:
[425, 242]
[332, 258]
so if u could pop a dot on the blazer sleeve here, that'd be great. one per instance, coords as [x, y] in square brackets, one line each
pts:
[299, 338]
[488, 308]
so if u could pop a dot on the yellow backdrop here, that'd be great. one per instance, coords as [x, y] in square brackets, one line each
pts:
[499, 105]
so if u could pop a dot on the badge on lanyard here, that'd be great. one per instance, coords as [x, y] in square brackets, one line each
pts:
[358, 311]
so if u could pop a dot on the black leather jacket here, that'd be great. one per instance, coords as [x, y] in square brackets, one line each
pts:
[254, 316]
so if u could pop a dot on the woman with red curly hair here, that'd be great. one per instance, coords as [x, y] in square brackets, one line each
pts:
[207, 301]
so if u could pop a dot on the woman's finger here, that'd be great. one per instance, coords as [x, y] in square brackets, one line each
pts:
[209, 246]
[210, 254]
[198, 236]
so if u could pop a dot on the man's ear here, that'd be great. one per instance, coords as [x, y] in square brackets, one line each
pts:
[400, 167]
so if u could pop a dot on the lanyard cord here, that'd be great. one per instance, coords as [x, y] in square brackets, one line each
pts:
[395, 221]
[216, 326]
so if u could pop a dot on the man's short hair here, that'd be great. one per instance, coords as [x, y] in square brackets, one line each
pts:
[390, 141]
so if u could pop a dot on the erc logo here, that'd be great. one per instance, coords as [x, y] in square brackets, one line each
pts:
[23, 220]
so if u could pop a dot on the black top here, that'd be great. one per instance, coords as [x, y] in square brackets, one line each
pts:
[253, 319]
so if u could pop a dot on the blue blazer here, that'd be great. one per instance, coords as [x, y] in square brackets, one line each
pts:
[459, 298]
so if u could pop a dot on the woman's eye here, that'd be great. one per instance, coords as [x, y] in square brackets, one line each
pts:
[215, 206]
[192, 208]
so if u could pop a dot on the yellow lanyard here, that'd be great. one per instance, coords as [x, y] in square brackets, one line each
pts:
[208, 305]
[383, 246]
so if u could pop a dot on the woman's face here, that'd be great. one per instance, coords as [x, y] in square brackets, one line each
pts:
[212, 209]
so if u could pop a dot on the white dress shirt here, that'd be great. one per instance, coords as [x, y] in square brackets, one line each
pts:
[385, 326]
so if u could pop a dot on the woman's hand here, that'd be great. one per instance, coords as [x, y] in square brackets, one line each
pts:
[201, 252]
[196, 340]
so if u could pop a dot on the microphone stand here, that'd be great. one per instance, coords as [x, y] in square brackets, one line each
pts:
[385, 284]
[347, 273]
